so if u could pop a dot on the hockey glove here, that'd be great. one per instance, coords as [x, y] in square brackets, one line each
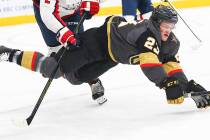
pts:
[201, 101]
[174, 92]
[67, 39]
[90, 6]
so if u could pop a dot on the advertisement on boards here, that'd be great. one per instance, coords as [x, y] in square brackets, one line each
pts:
[10, 8]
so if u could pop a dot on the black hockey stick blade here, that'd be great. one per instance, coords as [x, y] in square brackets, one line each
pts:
[29, 119]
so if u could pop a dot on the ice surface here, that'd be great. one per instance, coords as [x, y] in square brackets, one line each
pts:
[136, 109]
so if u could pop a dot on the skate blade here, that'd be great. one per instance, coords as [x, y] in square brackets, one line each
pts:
[101, 100]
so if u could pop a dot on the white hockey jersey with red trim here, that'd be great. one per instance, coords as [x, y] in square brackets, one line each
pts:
[52, 11]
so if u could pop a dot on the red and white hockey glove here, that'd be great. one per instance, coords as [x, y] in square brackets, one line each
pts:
[90, 6]
[66, 37]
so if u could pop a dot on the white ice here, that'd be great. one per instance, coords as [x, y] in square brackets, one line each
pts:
[136, 109]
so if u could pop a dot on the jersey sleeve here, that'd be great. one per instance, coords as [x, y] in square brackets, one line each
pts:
[149, 61]
[171, 63]
[49, 11]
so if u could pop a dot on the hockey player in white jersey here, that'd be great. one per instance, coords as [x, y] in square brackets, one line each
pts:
[57, 20]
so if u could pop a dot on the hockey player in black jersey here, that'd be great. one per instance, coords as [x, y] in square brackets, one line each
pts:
[150, 44]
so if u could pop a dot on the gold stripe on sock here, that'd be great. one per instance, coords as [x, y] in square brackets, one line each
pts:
[27, 59]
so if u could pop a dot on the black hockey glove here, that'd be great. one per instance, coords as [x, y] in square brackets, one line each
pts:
[174, 92]
[201, 101]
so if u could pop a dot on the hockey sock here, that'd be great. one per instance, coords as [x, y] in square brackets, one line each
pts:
[27, 59]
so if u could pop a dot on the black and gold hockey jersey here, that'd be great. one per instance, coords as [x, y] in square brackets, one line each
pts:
[118, 41]
[126, 40]
[140, 43]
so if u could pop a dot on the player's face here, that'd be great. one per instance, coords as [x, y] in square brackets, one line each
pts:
[165, 29]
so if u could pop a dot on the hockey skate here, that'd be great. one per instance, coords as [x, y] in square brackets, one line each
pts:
[98, 92]
[5, 53]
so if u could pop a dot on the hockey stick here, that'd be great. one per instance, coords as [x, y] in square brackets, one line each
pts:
[30, 118]
[183, 20]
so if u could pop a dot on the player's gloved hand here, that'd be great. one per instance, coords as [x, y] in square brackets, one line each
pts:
[174, 92]
[91, 7]
[75, 46]
[67, 38]
[201, 101]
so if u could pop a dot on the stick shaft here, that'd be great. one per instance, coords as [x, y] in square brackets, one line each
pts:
[44, 91]
[183, 20]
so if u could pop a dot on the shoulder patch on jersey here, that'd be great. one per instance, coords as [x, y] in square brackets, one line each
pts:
[134, 60]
